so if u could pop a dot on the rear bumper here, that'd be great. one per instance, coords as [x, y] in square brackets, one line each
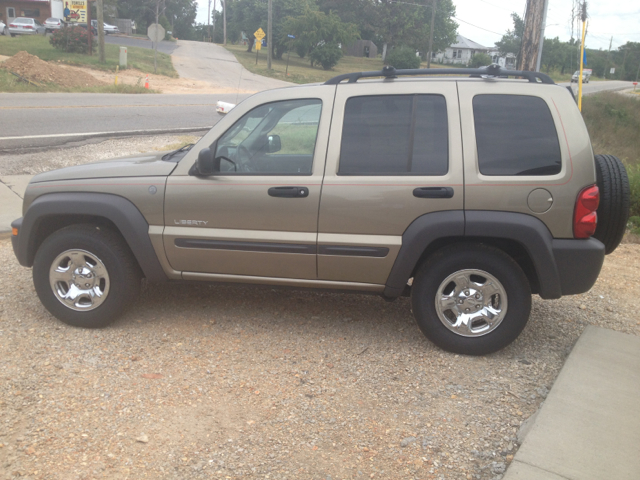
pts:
[579, 263]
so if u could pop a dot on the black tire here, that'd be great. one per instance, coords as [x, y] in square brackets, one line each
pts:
[449, 260]
[613, 211]
[123, 273]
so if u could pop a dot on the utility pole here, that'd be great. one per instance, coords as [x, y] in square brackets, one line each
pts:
[269, 37]
[213, 19]
[224, 21]
[155, 44]
[209, 19]
[542, 27]
[433, 21]
[100, 15]
[89, 27]
[584, 32]
[531, 36]
[604, 74]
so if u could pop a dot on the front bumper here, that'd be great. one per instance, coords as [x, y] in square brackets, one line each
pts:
[579, 263]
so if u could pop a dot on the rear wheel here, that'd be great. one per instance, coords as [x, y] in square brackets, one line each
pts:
[613, 211]
[85, 275]
[471, 299]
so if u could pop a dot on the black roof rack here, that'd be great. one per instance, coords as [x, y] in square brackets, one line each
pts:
[490, 71]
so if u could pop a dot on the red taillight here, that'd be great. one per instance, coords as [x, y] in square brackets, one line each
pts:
[28, 26]
[585, 218]
[13, 25]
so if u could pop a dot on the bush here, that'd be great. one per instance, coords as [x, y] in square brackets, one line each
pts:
[479, 60]
[72, 40]
[327, 55]
[402, 57]
[634, 182]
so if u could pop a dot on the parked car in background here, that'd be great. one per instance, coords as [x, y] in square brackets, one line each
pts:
[51, 24]
[25, 26]
[107, 28]
[3, 29]
[586, 75]
[94, 30]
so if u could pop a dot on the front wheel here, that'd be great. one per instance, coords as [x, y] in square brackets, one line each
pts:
[471, 299]
[85, 275]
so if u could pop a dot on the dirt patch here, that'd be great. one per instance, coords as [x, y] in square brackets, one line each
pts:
[31, 67]
[160, 83]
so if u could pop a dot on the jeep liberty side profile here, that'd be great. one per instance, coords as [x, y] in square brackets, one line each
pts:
[468, 192]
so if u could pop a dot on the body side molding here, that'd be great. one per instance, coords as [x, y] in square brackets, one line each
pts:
[124, 215]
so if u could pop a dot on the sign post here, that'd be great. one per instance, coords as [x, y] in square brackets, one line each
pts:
[259, 35]
[286, 72]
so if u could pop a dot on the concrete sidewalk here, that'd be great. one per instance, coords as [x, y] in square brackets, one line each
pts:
[12, 189]
[589, 425]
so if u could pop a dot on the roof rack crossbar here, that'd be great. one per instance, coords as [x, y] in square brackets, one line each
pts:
[489, 71]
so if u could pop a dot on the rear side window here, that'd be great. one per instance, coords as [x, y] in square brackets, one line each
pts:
[395, 135]
[515, 135]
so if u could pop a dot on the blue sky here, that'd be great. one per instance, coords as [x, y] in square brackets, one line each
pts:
[487, 20]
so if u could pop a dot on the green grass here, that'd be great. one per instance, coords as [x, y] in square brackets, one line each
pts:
[10, 83]
[140, 58]
[613, 121]
[300, 70]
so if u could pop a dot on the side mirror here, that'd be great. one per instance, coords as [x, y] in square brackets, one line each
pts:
[205, 163]
[273, 144]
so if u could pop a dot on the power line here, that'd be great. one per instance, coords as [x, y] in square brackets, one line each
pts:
[459, 19]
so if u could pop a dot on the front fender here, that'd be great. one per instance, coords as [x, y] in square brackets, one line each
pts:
[118, 210]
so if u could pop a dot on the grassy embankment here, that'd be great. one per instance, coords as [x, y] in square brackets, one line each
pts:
[300, 70]
[613, 121]
[138, 58]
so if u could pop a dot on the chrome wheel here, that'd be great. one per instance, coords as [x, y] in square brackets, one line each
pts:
[471, 303]
[79, 280]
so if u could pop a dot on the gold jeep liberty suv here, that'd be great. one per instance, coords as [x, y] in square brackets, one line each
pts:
[468, 192]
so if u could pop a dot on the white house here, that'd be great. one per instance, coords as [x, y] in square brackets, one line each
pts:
[460, 52]
[507, 61]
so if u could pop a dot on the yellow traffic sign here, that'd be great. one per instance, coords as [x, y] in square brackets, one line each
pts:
[258, 45]
[259, 34]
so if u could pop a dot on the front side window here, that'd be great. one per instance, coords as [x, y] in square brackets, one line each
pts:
[277, 138]
[515, 135]
[395, 135]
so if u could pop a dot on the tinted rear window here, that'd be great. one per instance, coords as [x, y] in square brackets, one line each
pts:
[395, 135]
[515, 135]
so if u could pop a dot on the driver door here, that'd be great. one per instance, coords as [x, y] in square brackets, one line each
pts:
[257, 215]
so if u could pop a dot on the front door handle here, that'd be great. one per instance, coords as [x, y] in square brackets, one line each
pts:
[433, 192]
[289, 192]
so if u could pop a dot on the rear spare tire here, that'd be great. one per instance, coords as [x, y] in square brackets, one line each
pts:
[613, 211]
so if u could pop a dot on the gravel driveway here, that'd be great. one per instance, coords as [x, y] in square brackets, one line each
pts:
[205, 381]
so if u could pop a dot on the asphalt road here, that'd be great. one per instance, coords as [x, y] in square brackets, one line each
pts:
[38, 120]
[595, 87]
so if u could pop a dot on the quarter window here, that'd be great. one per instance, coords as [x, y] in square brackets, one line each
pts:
[395, 135]
[515, 135]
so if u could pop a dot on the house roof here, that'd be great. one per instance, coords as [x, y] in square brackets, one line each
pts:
[463, 42]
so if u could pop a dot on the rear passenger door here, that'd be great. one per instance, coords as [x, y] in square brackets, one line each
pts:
[394, 154]
[515, 160]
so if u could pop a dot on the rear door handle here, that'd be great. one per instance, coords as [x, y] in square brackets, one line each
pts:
[289, 192]
[433, 192]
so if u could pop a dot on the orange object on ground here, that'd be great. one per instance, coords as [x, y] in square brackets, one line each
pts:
[146, 83]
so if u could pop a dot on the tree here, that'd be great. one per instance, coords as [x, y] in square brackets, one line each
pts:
[180, 14]
[315, 29]
[479, 60]
[390, 23]
[511, 41]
